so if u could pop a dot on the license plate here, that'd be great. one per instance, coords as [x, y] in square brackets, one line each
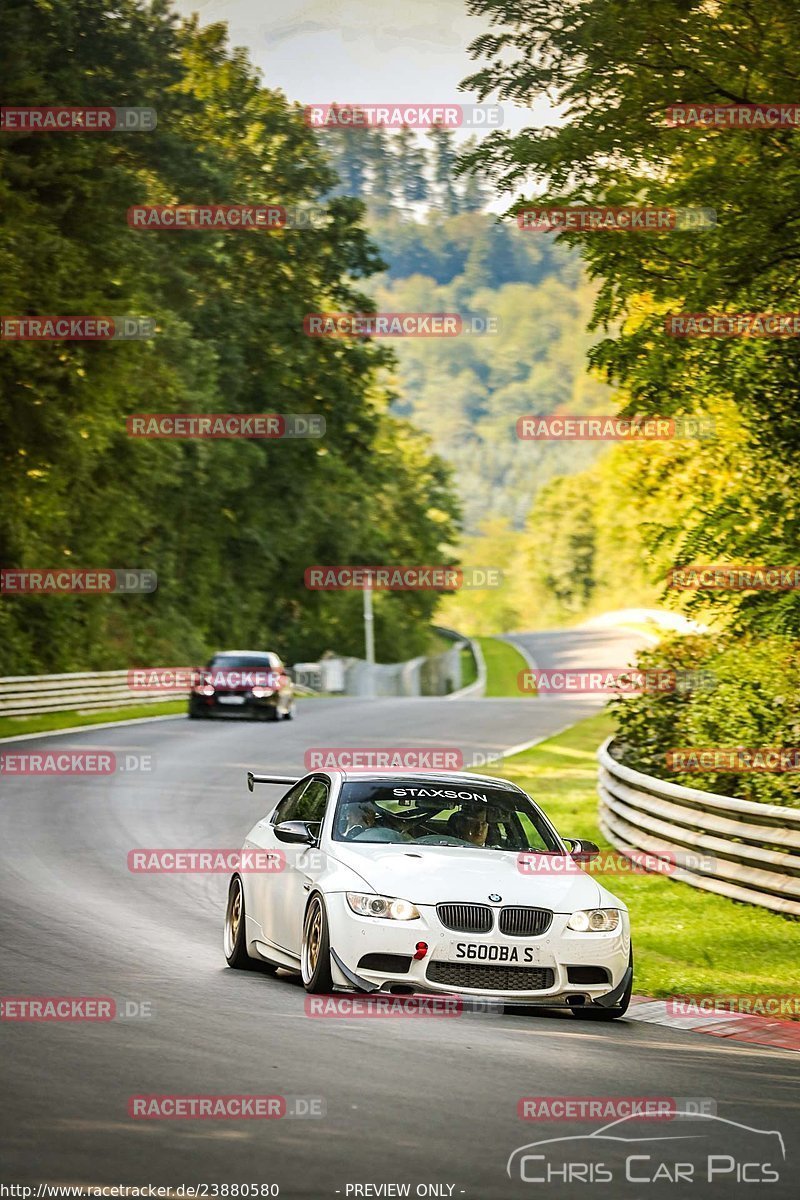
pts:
[230, 699]
[485, 952]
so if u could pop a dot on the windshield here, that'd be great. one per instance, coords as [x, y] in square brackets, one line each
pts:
[441, 813]
[236, 661]
[241, 672]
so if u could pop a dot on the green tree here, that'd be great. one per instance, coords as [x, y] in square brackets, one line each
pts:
[346, 147]
[615, 68]
[443, 170]
[474, 194]
[381, 164]
[410, 166]
[228, 526]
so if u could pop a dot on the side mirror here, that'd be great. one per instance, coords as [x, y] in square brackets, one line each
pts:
[297, 832]
[582, 850]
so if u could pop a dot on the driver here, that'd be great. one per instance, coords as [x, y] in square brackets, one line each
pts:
[357, 818]
[470, 825]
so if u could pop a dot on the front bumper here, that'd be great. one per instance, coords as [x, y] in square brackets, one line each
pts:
[492, 961]
[248, 705]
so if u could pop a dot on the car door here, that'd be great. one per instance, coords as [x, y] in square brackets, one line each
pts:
[264, 887]
[303, 864]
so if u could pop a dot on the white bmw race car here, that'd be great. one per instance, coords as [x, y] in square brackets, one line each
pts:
[409, 883]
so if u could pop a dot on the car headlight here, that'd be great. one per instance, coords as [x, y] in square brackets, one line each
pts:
[594, 920]
[367, 905]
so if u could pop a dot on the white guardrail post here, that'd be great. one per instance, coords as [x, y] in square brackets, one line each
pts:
[737, 848]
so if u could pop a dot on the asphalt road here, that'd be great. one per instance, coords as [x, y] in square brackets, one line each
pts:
[408, 1101]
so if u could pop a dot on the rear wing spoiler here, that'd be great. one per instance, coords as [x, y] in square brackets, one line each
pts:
[253, 779]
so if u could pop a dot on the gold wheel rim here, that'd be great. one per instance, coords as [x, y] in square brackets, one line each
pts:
[233, 917]
[312, 941]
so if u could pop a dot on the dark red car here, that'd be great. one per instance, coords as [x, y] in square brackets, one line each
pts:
[251, 683]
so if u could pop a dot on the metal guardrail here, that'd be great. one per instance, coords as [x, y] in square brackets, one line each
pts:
[737, 848]
[89, 691]
[427, 675]
[83, 691]
[472, 690]
[93, 691]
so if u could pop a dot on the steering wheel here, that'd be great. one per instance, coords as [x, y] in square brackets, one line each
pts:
[379, 833]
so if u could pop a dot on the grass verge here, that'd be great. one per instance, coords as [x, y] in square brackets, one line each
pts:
[16, 726]
[503, 663]
[685, 940]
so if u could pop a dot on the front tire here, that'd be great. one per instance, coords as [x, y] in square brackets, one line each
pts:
[315, 950]
[235, 940]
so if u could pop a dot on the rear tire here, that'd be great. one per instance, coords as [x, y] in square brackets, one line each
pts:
[235, 941]
[596, 1012]
[315, 950]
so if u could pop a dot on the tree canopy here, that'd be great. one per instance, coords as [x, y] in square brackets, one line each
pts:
[614, 69]
[229, 526]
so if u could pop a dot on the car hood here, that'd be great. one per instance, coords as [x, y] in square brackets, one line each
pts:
[434, 875]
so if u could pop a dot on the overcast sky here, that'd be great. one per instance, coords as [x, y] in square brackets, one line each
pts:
[317, 51]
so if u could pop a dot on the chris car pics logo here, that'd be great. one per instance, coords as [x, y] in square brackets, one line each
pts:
[695, 1148]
